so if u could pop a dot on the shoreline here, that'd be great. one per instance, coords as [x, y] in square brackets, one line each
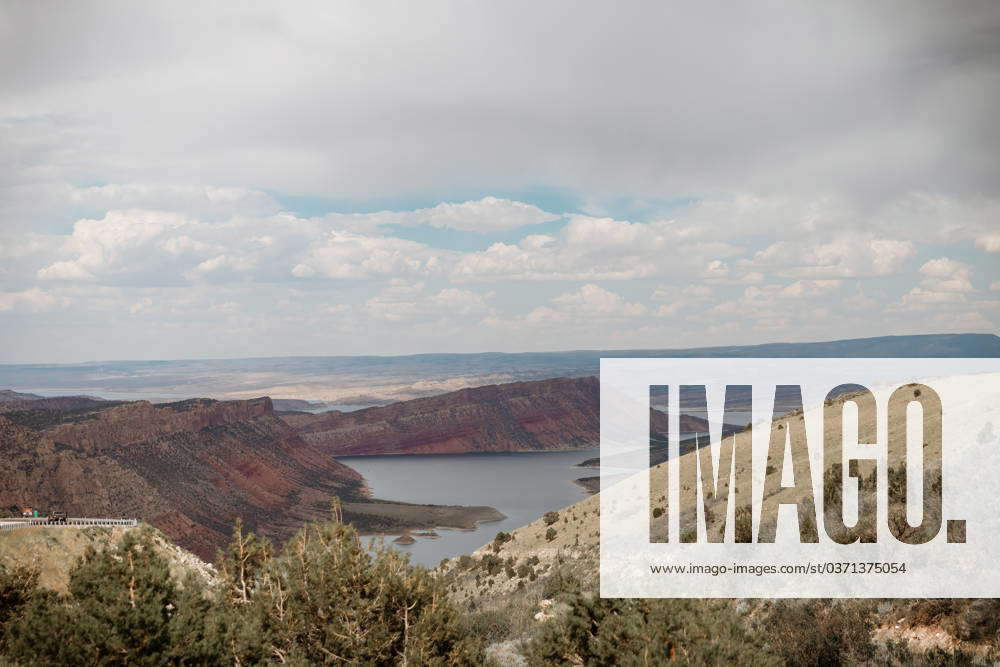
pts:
[592, 485]
[341, 457]
[386, 517]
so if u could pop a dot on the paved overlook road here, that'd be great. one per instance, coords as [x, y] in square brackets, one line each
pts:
[9, 524]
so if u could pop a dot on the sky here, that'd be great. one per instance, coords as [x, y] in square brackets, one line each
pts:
[192, 180]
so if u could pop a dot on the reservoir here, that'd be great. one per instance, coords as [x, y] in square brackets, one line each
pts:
[523, 486]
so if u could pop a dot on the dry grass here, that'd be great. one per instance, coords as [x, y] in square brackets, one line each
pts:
[54, 552]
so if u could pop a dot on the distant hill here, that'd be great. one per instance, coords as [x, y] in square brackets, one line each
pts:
[8, 396]
[13, 400]
[545, 415]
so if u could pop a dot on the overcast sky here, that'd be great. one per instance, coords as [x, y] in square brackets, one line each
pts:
[192, 179]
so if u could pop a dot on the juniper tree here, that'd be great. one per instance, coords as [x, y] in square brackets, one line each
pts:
[117, 611]
[612, 631]
[330, 599]
[18, 585]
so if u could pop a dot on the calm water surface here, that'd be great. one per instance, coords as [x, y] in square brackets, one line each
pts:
[521, 486]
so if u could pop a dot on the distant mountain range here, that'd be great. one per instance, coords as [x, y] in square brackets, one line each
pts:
[372, 380]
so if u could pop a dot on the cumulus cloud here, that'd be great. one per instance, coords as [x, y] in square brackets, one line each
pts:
[989, 242]
[945, 284]
[803, 304]
[676, 298]
[587, 305]
[852, 256]
[343, 255]
[947, 275]
[121, 242]
[917, 216]
[403, 301]
[486, 215]
[590, 248]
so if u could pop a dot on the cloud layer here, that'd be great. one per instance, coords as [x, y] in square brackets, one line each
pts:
[197, 179]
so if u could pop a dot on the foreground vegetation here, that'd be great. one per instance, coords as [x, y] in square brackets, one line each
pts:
[324, 598]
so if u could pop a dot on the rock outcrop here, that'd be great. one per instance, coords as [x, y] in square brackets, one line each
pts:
[544, 415]
[189, 468]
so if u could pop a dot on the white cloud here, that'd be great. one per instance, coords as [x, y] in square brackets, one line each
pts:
[944, 286]
[591, 249]
[343, 255]
[718, 272]
[847, 257]
[34, 300]
[989, 242]
[489, 214]
[588, 304]
[775, 307]
[486, 215]
[947, 275]
[676, 298]
[121, 242]
[402, 301]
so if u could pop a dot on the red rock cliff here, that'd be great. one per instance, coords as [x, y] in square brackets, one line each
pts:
[544, 415]
[189, 468]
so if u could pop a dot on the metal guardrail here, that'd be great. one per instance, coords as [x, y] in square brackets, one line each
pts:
[16, 523]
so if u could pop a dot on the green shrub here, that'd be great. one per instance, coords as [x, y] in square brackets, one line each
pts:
[561, 585]
[488, 626]
[324, 598]
[491, 564]
[550, 534]
[329, 596]
[812, 632]
[17, 587]
[501, 539]
[611, 631]
[118, 611]
[550, 518]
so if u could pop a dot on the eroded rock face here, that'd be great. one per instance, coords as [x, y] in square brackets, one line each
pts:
[141, 420]
[544, 415]
[188, 468]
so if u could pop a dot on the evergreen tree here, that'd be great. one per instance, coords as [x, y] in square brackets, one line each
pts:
[331, 600]
[610, 631]
[117, 612]
[17, 587]
[325, 599]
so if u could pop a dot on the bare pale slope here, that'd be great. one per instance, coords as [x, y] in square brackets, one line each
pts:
[577, 529]
[54, 552]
